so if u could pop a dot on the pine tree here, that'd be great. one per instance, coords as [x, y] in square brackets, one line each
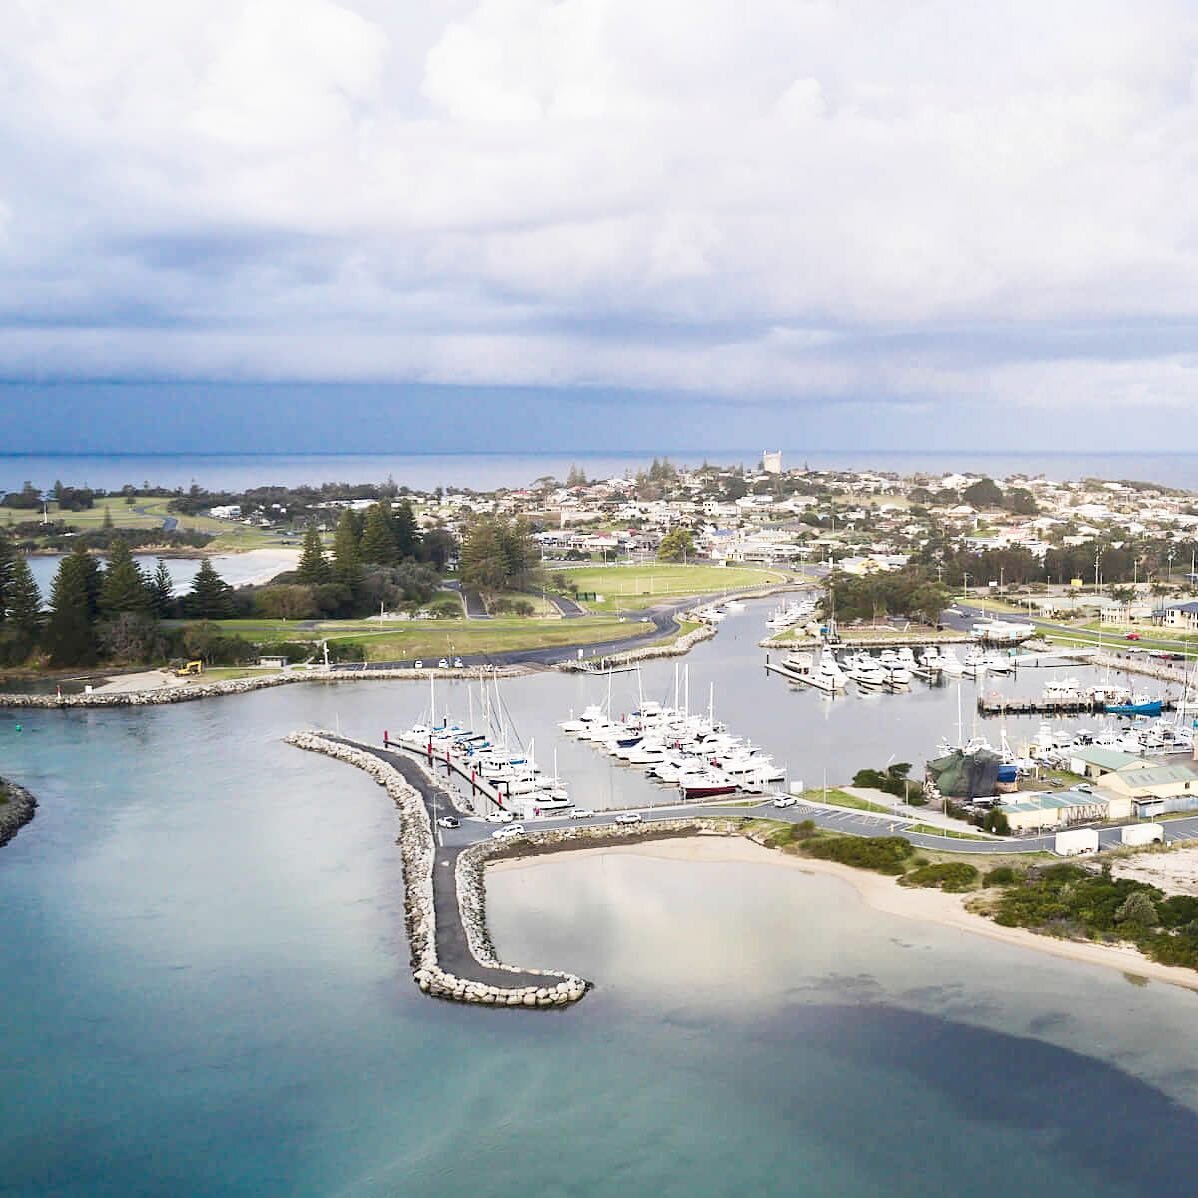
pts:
[378, 542]
[24, 599]
[313, 569]
[124, 587]
[347, 561]
[162, 589]
[70, 636]
[107, 521]
[211, 598]
[8, 560]
[407, 534]
[92, 575]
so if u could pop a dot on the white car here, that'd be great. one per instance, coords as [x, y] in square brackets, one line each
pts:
[581, 813]
[450, 821]
[628, 817]
[442, 664]
[785, 801]
[507, 833]
[418, 664]
[500, 817]
[457, 663]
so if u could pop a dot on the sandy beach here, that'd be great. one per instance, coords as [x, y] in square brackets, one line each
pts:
[884, 894]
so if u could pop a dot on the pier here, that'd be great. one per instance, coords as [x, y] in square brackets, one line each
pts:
[1080, 705]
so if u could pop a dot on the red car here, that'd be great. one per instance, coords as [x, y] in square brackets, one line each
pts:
[1132, 636]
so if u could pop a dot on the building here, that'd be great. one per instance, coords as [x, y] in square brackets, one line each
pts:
[1038, 812]
[1178, 615]
[771, 461]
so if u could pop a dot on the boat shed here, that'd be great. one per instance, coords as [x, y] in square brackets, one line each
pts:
[1157, 789]
[1037, 812]
[1093, 761]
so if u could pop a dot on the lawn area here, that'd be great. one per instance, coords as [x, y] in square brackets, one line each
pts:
[839, 798]
[1116, 641]
[403, 640]
[230, 535]
[650, 582]
[951, 833]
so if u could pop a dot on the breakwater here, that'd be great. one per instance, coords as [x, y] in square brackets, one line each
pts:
[234, 686]
[677, 648]
[17, 807]
[439, 966]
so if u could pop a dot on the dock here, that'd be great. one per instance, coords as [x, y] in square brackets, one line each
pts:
[1077, 706]
[452, 765]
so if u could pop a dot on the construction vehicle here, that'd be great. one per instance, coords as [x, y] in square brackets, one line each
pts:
[192, 667]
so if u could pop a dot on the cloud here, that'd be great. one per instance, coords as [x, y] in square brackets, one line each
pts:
[798, 200]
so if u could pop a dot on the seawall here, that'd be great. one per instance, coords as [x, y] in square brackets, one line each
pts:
[17, 811]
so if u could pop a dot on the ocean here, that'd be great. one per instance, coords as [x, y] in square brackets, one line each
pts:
[236, 472]
[207, 991]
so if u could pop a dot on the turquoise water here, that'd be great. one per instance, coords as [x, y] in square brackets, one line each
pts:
[206, 992]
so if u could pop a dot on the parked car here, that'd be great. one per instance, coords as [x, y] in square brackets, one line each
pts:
[500, 817]
[449, 821]
[418, 664]
[581, 813]
[442, 664]
[785, 801]
[508, 832]
[457, 663]
[628, 817]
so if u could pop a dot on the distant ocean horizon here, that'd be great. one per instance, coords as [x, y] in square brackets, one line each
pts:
[489, 470]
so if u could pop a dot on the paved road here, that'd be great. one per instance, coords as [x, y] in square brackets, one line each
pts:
[472, 601]
[169, 523]
[567, 607]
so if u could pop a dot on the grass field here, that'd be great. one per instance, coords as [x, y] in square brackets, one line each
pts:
[400, 641]
[230, 535]
[635, 586]
[840, 798]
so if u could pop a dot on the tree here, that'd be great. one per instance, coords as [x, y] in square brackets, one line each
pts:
[285, 602]
[577, 477]
[107, 521]
[378, 539]
[8, 560]
[498, 555]
[347, 560]
[24, 599]
[437, 546]
[211, 597]
[983, 494]
[70, 636]
[131, 636]
[162, 589]
[314, 569]
[124, 585]
[407, 534]
[677, 545]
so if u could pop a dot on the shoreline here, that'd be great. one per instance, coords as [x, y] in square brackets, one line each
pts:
[17, 812]
[882, 893]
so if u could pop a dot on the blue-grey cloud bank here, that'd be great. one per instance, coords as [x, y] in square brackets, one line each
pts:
[870, 217]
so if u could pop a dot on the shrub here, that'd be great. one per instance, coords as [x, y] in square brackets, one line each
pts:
[1001, 875]
[951, 876]
[884, 854]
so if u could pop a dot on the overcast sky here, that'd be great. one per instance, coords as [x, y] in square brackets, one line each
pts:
[899, 222]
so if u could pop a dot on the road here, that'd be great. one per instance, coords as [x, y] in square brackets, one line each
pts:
[169, 523]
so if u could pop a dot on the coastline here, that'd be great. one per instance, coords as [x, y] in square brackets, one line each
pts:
[882, 893]
[17, 812]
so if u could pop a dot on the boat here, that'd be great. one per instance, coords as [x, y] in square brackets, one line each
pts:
[1150, 707]
[706, 786]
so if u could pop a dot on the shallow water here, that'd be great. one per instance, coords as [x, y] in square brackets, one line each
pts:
[206, 989]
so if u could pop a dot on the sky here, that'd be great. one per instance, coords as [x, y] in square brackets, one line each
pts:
[376, 224]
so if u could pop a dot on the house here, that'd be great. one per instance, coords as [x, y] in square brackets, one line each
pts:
[1178, 615]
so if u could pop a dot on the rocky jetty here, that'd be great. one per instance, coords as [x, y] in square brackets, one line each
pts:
[17, 806]
[417, 849]
[229, 686]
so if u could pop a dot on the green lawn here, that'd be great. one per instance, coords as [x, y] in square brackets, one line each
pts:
[230, 535]
[951, 833]
[626, 587]
[400, 640]
[838, 798]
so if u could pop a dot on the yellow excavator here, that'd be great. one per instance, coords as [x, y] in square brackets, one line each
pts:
[192, 667]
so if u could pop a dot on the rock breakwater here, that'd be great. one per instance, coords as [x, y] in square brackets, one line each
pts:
[17, 808]
[418, 850]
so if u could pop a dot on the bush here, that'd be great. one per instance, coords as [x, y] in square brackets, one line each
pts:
[954, 877]
[1001, 875]
[883, 854]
